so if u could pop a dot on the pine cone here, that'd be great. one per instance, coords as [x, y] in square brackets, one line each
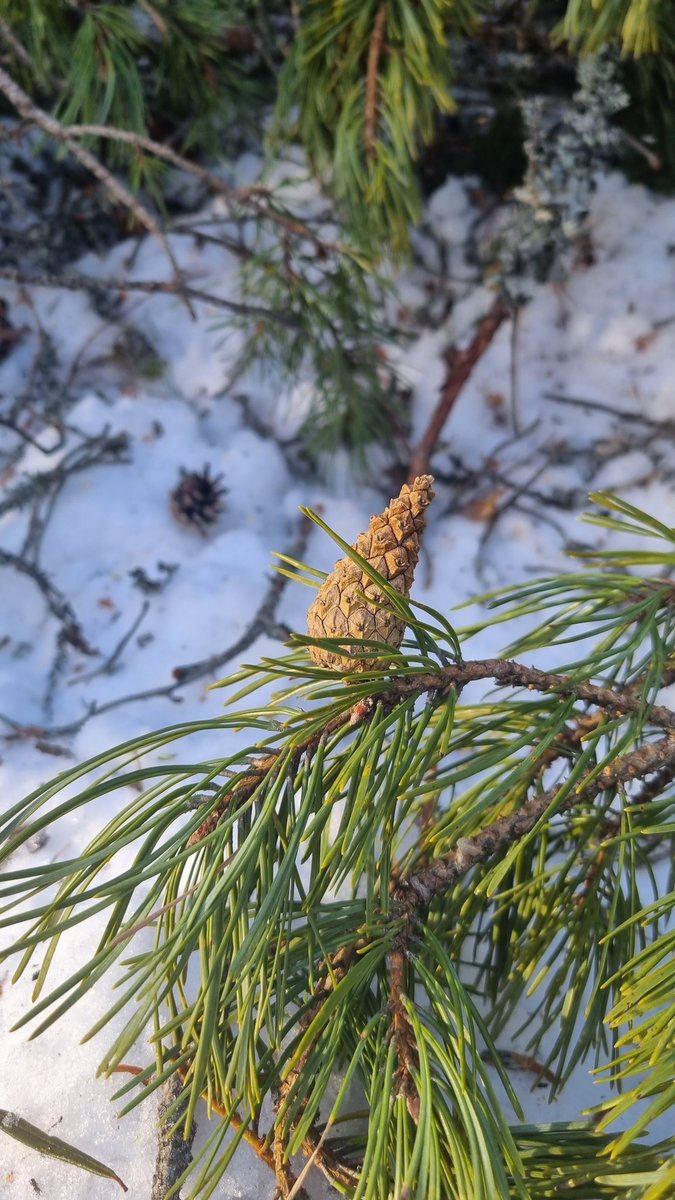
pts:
[392, 547]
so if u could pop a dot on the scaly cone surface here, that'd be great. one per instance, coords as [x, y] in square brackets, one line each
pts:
[392, 547]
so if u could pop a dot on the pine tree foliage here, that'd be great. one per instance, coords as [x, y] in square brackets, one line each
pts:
[642, 26]
[164, 68]
[338, 909]
[360, 83]
[368, 80]
[335, 338]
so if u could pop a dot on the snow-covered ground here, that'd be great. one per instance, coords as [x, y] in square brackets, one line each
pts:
[606, 336]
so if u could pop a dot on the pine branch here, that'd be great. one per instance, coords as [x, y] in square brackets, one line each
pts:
[262, 984]
[417, 890]
[451, 677]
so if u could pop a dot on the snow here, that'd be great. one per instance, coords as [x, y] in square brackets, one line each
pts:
[607, 336]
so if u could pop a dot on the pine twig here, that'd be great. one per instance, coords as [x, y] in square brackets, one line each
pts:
[453, 676]
[418, 889]
[372, 86]
[401, 1030]
[460, 365]
[257, 198]
[108, 667]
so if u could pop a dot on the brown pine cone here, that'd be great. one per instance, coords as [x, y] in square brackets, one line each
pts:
[392, 547]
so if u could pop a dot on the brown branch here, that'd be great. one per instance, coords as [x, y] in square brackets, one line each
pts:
[401, 1031]
[460, 365]
[372, 85]
[119, 192]
[453, 676]
[506, 672]
[287, 1184]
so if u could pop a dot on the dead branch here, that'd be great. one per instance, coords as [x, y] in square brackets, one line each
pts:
[257, 198]
[264, 622]
[460, 365]
[110, 664]
[636, 418]
[119, 192]
[58, 604]
[152, 287]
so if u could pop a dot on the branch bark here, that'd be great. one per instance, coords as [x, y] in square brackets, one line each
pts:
[460, 365]
[416, 891]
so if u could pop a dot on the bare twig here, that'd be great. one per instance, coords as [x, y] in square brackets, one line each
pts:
[107, 667]
[15, 46]
[26, 437]
[621, 414]
[372, 81]
[513, 371]
[256, 198]
[264, 622]
[58, 604]
[653, 160]
[152, 287]
[460, 365]
[119, 192]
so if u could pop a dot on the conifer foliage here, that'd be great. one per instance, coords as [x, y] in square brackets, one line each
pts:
[321, 928]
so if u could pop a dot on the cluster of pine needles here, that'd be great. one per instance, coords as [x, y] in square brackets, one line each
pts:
[322, 932]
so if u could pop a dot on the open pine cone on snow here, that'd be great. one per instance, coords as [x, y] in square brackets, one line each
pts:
[197, 500]
[392, 547]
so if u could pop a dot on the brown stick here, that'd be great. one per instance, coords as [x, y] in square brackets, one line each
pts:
[372, 87]
[30, 112]
[174, 1152]
[460, 365]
